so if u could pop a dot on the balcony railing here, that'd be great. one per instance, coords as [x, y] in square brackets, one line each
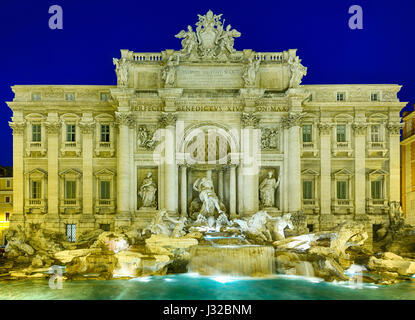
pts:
[35, 146]
[35, 205]
[104, 147]
[309, 202]
[103, 206]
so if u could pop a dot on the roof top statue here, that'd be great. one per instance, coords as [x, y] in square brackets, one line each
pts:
[211, 39]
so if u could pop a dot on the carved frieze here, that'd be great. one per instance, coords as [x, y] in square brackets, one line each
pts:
[269, 138]
[145, 137]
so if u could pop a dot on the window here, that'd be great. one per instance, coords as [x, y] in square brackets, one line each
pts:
[35, 189]
[341, 133]
[374, 97]
[35, 96]
[307, 134]
[71, 232]
[70, 189]
[8, 183]
[105, 192]
[340, 96]
[70, 133]
[105, 133]
[104, 96]
[307, 189]
[105, 227]
[310, 227]
[376, 187]
[342, 189]
[7, 199]
[375, 133]
[70, 96]
[7, 216]
[36, 133]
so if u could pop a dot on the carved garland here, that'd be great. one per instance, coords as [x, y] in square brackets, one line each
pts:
[125, 119]
[292, 120]
[87, 127]
[52, 127]
[359, 128]
[395, 128]
[325, 128]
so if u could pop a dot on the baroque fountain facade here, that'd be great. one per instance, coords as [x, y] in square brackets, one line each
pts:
[198, 149]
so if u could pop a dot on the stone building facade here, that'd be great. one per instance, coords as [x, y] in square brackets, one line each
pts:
[408, 167]
[110, 156]
[6, 200]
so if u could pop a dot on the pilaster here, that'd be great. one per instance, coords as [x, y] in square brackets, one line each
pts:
[360, 167]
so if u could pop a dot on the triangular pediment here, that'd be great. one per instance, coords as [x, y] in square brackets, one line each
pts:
[37, 172]
[343, 172]
[105, 172]
[378, 172]
[70, 171]
[309, 172]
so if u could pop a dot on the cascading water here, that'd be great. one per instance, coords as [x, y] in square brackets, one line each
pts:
[232, 260]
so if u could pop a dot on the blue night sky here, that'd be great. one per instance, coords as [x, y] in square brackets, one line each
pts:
[95, 30]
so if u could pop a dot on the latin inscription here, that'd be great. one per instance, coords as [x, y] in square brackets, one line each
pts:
[209, 77]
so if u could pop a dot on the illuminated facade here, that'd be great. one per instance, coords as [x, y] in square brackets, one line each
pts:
[82, 154]
[408, 167]
[6, 199]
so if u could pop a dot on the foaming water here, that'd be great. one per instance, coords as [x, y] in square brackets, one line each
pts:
[196, 287]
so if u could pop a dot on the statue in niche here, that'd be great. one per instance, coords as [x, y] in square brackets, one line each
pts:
[297, 71]
[189, 42]
[207, 196]
[148, 192]
[169, 71]
[250, 73]
[267, 190]
[121, 68]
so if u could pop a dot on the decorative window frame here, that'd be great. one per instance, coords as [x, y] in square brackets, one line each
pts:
[378, 95]
[310, 147]
[36, 205]
[342, 147]
[70, 205]
[68, 148]
[345, 96]
[342, 206]
[310, 206]
[104, 148]
[105, 206]
[381, 146]
[34, 148]
[379, 206]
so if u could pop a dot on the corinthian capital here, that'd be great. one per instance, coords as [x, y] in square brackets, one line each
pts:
[395, 128]
[52, 126]
[249, 120]
[359, 128]
[17, 127]
[168, 119]
[125, 119]
[292, 120]
[87, 127]
[325, 128]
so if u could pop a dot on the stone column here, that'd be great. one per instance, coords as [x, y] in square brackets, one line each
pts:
[87, 127]
[17, 218]
[220, 184]
[232, 190]
[183, 191]
[325, 167]
[292, 123]
[124, 119]
[168, 121]
[250, 162]
[394, 161]
[360, 167]
[52, 129]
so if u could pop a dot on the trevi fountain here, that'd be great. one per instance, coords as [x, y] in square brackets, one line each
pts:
[226, 232]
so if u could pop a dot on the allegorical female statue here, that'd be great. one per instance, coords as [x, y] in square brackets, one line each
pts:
[267, 190]
[147, 192]
[207, 195]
